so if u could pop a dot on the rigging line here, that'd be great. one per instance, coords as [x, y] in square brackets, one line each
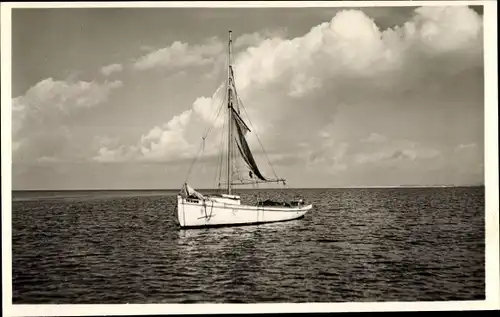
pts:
[216, 115]
[202, 145]
[258, 139]
[221, 154]
[225, 83]
[213, 124]
[224, 145]
[294, 192]
[240, 103]
[193, 162]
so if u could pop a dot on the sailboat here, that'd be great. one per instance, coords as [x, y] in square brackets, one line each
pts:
[225, 208]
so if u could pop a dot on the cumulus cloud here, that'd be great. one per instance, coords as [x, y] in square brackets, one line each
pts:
[181, 55]
[375, 138]
[378, 147]
[119, 154]
[446, 29]
[351, 46]
[469, 146]
[390, 151]
[177, 139]
[110, 69]
[330, 156]
[146, 48]
[39, 117]
[301, 85]
[292, 87]
[161, 143]
[395, 155]
[254, 39]
[206, 107]
[168, 140]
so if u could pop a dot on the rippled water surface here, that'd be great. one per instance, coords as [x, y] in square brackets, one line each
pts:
[355, 245]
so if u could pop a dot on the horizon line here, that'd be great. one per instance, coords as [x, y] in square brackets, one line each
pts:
[273, 188]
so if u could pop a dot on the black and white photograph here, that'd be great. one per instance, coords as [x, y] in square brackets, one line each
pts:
[331, 154]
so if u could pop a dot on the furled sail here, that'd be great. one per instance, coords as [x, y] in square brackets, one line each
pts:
[241, 130]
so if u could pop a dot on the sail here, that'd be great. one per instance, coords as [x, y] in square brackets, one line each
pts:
[235, 161]
[241, 129]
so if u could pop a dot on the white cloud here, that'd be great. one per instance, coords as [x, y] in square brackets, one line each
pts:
[445, 29]
[375, 138]
[146, 48]
[110, 69]
[181, 55]
[119, 154]
[302, 85]
[39, 116]
[207, 108]
[249, 40]
[63, 96]
[462, 147]
[352, 45]
[166, 143]
[254, 39]
[328, 154]
[48, 159]
[171, 140]
[397, 150]
[346, 58]
[50, 99]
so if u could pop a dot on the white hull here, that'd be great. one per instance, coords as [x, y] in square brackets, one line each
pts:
[224, 211]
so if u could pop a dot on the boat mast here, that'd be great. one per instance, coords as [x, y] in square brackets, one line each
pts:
[230, 117]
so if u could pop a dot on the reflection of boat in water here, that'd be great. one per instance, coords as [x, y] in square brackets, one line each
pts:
[226, 209]
[226, 236]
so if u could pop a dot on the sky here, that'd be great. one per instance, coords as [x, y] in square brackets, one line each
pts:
[119, 98]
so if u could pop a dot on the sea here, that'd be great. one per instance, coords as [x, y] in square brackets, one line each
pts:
[355, 245]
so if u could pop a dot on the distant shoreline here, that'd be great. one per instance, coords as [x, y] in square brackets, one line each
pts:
[243, 189]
